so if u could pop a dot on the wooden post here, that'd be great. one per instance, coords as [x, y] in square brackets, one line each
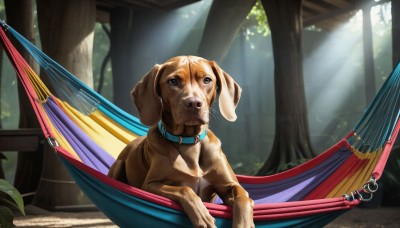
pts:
[369, 72]
[66, 31]
[29, 165]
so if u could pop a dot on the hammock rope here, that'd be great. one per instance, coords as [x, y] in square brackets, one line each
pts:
[88, 132]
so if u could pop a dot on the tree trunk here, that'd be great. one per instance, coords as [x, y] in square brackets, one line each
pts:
[29, 165]
[122, 59]
[139, 39]
[223, 23]
[396, 32]
[2, 156]
[291, 144]
[66, 32]
[368, 50]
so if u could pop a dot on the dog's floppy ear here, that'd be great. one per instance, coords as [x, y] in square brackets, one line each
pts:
[229, 92]
[146, 99]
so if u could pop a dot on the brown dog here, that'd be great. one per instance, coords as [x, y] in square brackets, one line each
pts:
[181, 159]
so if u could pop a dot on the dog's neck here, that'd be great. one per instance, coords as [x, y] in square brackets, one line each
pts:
[181, 129]
[193, 139]
[184, 130]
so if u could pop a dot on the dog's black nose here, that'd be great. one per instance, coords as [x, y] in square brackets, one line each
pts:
[193, 103]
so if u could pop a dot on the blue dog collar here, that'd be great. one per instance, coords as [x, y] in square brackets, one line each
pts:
[180, 139]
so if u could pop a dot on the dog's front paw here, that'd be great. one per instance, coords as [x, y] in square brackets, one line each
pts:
[243, 213]
[197, 212]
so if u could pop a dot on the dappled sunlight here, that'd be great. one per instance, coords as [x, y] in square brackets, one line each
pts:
[191, 17]
[177, 33]
[334, 75]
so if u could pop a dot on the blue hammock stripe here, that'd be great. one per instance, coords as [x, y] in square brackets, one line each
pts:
[60, 76]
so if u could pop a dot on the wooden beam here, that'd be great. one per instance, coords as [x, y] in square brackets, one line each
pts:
[328, 15]
[339, 3]
[23, 140]
[321, 17]
[154, 5]
[315, 6]
[102, 15]
[325, 4]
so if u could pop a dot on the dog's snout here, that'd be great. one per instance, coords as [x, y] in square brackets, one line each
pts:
[193, 103]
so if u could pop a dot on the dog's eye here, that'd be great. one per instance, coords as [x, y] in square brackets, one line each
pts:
[207, 80]
[173, 82]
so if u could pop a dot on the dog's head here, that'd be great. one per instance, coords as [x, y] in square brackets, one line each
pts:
[183, 88]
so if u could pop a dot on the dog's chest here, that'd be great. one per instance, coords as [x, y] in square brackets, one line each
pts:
[188, 160]
[190, 167]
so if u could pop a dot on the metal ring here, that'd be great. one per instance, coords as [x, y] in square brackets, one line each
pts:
[373, 185]
[347, 197]
[4, 25]
[53, 142]
[368, 188]
[362, 197]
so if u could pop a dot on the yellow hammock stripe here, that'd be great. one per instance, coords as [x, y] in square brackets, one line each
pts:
[358, 178]
[111, 126]
[110, 143]
[41, 90]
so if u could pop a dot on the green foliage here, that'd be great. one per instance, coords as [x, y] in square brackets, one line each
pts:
[257, 13]
[101, 48]
[10, 199]
[245, 169]
[4, 114]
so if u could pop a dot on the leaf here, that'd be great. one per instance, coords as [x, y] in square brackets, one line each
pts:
[2, 156]
[13, 193]
[6, 217]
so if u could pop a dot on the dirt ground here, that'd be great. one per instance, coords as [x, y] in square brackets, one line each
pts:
[384, 217]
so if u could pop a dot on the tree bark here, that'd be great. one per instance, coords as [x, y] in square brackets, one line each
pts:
[29, 165]
[223, 23]
[396, 32]
[122, 59]
[66, 32]
[139, 40]
[368, 50]
[291, 144]
[2, 156]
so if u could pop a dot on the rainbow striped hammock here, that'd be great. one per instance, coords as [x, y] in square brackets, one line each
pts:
[88, 132]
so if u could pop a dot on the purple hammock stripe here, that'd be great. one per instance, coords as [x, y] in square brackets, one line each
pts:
[327, 168]
[90, 153]
[299, 186]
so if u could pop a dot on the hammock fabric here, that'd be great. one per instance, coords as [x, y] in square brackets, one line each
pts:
[88, 132]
